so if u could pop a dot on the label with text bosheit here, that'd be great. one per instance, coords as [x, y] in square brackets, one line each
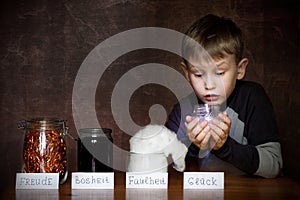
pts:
[37, 181]
[94, 180]
[203, 180]
[149, 180]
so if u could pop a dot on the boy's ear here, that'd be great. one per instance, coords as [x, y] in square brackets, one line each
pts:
[242, 68]
[185, 70]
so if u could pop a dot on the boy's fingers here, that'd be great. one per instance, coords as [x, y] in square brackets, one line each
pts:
[224, 117]
[218, 128]
[204, 143]
[215, 136]
[202, 138]
[191, 123]
[188, 119]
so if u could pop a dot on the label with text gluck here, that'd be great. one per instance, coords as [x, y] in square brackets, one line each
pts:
[37, 180]
[203, 180]
[149, 180]
[93, 180]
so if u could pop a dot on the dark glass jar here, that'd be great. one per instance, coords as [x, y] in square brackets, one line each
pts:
[45, 150]
[95, 150]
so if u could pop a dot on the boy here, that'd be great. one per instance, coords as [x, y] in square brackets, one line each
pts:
[244, 137]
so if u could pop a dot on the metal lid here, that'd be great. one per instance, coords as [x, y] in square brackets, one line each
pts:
[42, 123]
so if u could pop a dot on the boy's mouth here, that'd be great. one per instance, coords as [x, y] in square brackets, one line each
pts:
[211, 97]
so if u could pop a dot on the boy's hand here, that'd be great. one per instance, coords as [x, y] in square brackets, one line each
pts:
[219, 130]
[215, 134]
[198, 133]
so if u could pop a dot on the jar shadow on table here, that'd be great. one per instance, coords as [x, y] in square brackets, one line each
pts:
[203, 193]
[107, 194]
[146, 194]
[37, 194]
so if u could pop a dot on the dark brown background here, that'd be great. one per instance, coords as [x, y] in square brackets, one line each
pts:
[43, 44]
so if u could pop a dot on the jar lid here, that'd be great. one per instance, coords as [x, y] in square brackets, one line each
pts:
[42, 123]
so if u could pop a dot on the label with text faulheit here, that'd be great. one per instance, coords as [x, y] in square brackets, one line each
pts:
[149, 180]
[203, 180]
[37, 181]
[93, 180]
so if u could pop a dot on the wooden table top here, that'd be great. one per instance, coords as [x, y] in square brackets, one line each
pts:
[236, 187]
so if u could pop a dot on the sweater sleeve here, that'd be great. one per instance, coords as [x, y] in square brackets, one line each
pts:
[244, 157]
[270, 159]
[260, 152]
[262, 160]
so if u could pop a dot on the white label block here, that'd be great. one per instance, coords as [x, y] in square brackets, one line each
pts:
[150, 180]
[94, 180]
[203, 180]
[37, 181]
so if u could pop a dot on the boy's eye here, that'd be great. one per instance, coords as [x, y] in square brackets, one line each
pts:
[198, 75]
[220, 73]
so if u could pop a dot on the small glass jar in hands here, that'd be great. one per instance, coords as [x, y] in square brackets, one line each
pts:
[206, 111]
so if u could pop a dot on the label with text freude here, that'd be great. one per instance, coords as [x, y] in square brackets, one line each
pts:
[37, 180]
[94, 180]
[150, 180]
[203, 180]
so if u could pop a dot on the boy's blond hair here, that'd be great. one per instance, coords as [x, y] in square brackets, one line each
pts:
[216, 36]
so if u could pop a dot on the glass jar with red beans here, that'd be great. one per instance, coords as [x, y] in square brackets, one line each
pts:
[45, 149]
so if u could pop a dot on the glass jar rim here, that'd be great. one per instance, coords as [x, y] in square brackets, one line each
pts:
[94, 132]
[42, 123]
[146, 153]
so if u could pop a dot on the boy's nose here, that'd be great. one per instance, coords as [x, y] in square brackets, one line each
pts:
[210, 83]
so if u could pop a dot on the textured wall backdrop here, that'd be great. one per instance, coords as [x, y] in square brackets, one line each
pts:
[43, 43]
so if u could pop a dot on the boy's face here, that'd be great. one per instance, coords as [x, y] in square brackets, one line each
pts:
[213, 81]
